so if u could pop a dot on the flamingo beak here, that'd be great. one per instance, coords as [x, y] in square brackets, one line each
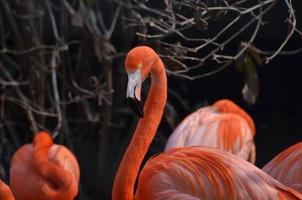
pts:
[134, 92]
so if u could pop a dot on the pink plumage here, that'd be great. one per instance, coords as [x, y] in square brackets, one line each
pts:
[286, 167]
[223, 125]
[194, 173]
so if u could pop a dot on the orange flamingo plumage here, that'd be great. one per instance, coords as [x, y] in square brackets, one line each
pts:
[223, 125]
[5, 192]
[286, 167]
[189, 173]
[44, 171]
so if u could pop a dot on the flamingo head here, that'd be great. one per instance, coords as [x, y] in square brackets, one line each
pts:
[43, 138]
[139, 63]
[228, 106]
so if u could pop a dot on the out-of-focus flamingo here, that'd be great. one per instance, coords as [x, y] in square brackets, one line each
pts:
[44, 171]
[189, 173]
[5, 192]
[286, 167]
[223, 125]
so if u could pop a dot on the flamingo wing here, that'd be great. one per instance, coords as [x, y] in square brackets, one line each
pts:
[206, 173]
[286, 167]
[207, 127]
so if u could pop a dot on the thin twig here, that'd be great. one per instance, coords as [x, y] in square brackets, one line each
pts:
[53, 66]
[24, 100]
[292, 20]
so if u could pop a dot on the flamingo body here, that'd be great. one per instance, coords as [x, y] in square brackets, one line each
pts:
[194, 173]
[223, 125]
[56, 179]
[190, 173]
[5, 192]
[286, 167]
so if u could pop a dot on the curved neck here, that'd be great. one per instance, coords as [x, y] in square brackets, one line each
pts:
[56, 176]
[123, 187]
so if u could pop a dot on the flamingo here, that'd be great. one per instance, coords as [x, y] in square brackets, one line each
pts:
[223, 125]
[286, 167]
[5, 192]
[44, 171]
[189, 173]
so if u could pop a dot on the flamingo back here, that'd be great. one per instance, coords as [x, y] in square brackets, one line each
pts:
[206, 173]
[286, 167]
[207, 127]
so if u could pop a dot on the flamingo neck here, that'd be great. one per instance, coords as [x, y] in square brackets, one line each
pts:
[57, 177]
[123, 187]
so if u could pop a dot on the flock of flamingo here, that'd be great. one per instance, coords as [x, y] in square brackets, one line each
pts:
[210, 155]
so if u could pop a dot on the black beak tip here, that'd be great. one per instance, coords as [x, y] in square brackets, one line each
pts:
[136, 107]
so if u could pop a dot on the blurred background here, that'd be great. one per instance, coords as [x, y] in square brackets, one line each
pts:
[62, 70]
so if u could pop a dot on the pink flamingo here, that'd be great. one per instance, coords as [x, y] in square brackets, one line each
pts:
[189, 173]
[44, 171]
[5, 192]
[223, 125]
[286, 167]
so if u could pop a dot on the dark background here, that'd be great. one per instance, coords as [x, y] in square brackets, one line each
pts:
[99, 144]
[277, 112]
